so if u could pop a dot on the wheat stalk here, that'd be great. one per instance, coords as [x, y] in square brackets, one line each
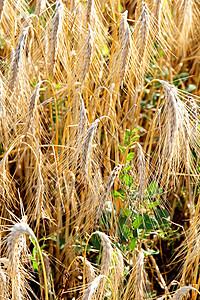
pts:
[141, 171]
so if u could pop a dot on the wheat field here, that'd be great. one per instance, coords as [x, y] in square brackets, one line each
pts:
[99, 149]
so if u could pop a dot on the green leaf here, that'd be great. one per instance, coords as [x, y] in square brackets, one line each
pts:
[127, 168]
[130, 156]
[151, 252]
[184, 76]
[190, 88]
[153, 186]
[117, 195]
[126, 212]
[162, 216]
[138, 221]
[135, 138]
[133, 244]
[122, 149]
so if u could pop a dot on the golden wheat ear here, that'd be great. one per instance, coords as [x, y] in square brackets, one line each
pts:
[17, 256]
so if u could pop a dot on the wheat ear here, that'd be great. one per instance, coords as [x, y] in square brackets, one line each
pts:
[171, 106]
[83, 120]
[2, 4]
[111, 179]
[143, 34]
[119, 271]
[56, 31]
[182, 292]
[89, 11]
[87, 56]
[126, 51]
[92, 288]
[89, 269]
[86, 148]
[17, 58]
[123, 26]
[16, 231]
[32, 106]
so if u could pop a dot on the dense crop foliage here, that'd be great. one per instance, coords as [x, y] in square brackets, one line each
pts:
[99, 149]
